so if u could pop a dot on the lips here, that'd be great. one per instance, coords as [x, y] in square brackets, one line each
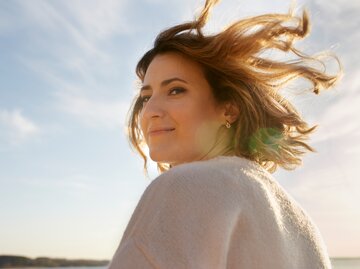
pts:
[153, 131]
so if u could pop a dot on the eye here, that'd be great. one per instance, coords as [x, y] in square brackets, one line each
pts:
[144, 99]
[173, 91]
[176, 91]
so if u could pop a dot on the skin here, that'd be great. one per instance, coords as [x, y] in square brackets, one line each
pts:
[178, 98]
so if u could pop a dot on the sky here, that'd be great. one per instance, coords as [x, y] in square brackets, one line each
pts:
[69, 180]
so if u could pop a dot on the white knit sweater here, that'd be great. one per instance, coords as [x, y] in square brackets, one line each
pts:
[226, 212]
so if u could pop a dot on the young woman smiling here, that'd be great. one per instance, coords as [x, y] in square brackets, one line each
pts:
[210, 112]
[180, 118]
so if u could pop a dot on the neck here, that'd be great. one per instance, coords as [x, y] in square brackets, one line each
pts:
[221, 147]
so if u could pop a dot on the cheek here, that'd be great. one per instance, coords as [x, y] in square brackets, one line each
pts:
[205, 132]
[142, 124]
[199, 124]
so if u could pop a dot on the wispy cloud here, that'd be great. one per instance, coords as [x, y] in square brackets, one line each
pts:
[16, 126]
[73, 23]
[335, 27]
[327, 185]
[99, 20]
[338, 116]
[81, 101]
[94, 113]
[69, 49]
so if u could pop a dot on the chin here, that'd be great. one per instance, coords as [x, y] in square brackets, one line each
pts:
[164, 157]
[159, 157]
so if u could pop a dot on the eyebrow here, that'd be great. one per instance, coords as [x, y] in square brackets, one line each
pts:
[163, 84]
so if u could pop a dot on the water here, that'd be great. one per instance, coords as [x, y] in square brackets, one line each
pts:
[345, 263]
[69, 267]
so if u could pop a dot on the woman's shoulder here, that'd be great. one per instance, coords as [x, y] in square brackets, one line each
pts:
[207, 186]
[228, 176]
[221, 168]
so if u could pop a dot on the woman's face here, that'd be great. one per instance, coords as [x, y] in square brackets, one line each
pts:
[179, 119]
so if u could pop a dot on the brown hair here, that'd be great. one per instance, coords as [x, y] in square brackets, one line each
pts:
[268, 130]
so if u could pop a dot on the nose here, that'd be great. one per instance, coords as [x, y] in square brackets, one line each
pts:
[153, 108]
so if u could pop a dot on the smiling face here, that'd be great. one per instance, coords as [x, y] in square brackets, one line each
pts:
[180, 119]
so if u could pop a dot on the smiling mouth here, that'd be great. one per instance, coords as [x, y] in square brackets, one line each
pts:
[161, 132]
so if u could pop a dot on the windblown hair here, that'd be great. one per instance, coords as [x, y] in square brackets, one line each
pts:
[269, 130]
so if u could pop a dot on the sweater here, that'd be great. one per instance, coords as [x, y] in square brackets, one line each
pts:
[226, 212]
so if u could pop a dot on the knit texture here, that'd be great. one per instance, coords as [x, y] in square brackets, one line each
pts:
[226, 212]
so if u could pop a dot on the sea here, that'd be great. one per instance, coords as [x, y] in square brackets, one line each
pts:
[346, 263]
[337, 263]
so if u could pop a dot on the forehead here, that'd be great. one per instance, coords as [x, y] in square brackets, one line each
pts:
[172, 64]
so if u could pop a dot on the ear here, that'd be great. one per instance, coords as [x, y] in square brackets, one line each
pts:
[231, 112]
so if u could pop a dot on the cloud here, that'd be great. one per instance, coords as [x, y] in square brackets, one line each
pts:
[94, 113]
[327, 185]
[18, 127]
[98, 20]
[73, 23]
[70, 48]
[335, 27]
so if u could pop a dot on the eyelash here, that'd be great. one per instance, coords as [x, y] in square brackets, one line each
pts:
[144, 99]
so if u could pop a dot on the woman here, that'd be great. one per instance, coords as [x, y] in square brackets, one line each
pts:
[210, 112]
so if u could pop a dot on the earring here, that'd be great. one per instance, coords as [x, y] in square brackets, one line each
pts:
[228, 125]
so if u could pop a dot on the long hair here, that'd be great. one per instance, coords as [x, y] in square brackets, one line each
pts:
[269, 130]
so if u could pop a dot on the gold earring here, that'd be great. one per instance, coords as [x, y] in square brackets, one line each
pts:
[228, 125]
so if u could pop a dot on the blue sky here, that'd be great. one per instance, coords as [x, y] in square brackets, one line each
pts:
[69, 181]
